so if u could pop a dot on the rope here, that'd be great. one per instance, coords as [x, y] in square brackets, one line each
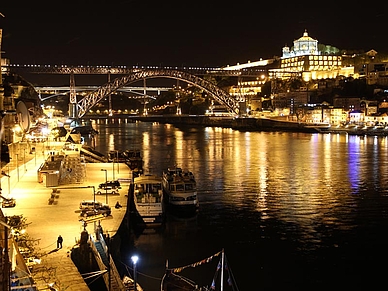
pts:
[204, 261]
[148, 276]
[49, 245]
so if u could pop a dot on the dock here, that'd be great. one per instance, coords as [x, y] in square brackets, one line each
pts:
[53, 211]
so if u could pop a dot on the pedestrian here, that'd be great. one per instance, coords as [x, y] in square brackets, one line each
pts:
[59, 242]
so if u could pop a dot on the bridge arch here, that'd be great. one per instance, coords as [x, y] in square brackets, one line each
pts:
[86, 103]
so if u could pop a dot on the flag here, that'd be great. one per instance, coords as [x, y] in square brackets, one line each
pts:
[219, 266]
[213, 286]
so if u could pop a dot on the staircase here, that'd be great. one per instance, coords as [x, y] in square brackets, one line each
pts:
[102, 253]
[92, 156]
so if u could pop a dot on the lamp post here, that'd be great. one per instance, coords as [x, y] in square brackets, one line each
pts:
[117, 161]
[113, 169]
[94, 196]
[17, 165]
[134, 261]
[9, 181]
[106, 187]
[94, 207]
[24, 160]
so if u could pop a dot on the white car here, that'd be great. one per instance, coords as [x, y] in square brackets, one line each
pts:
[107, 190]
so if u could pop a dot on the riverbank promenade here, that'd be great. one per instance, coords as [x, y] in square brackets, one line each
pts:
[50, 213]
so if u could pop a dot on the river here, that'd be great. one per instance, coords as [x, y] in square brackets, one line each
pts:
[291, 210]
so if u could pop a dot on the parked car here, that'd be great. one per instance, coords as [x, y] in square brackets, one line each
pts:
[113, 184]
[107, 190]
[9, 202]
[90, 204]
[105, 210]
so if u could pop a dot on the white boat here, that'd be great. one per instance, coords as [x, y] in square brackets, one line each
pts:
[180, 190]
[148, 199]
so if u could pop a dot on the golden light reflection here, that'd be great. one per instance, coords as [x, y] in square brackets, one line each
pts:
[147, 167]
[111, 142]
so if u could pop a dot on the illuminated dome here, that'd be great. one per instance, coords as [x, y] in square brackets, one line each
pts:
[305, 45]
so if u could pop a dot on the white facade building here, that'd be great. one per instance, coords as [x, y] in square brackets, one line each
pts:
[303, 46]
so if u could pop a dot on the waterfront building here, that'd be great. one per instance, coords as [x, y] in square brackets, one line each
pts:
[376, 119]
[337, 116]
[327, 114]
[356, 116]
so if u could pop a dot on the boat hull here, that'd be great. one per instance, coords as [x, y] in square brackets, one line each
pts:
[151, 214]
[182, 209]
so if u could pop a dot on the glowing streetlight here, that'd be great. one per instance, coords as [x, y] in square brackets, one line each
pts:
[134, 261]
[106, 186]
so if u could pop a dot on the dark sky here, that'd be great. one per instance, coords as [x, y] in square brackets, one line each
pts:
[192, 33]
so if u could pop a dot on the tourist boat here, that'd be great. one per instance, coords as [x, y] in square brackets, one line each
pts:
[148, 199]
[223, 278]
[180, 190]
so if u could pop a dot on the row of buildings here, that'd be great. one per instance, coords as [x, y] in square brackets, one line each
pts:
[297, 78]
[313, 68]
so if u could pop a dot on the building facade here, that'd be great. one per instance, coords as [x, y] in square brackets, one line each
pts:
[304, 59]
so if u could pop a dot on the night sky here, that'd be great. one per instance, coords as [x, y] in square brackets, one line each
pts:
[181, 33]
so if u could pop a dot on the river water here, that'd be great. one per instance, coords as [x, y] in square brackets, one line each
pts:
[291, 210]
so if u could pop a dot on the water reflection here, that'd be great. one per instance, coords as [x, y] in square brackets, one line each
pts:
[286, 203]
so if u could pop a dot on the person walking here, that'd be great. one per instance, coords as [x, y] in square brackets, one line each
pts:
[59, 242]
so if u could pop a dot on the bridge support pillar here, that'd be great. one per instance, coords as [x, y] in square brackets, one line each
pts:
[73, 110]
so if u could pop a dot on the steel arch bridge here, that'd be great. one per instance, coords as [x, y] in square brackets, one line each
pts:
[86, 103]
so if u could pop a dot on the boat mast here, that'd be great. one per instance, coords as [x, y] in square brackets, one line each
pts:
[222, 270]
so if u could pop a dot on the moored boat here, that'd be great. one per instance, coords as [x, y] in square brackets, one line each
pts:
[148, 199]
[134, 161]
[129, 284]
[223, 278]
[318, 126]
[180, 190]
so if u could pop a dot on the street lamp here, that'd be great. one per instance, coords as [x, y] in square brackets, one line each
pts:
[94, 196]
[134, 261]
[117, 161]
[94, 209]
[113, 169]
[17, 165]
[106, 186]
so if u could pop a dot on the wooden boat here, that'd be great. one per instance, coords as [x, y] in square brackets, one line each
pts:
[223, 278]
[129, 284]
[180, 190]
[148, 199]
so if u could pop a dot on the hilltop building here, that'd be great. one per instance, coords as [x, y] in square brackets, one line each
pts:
[317, 65]
[310, 61]
[306, 59]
